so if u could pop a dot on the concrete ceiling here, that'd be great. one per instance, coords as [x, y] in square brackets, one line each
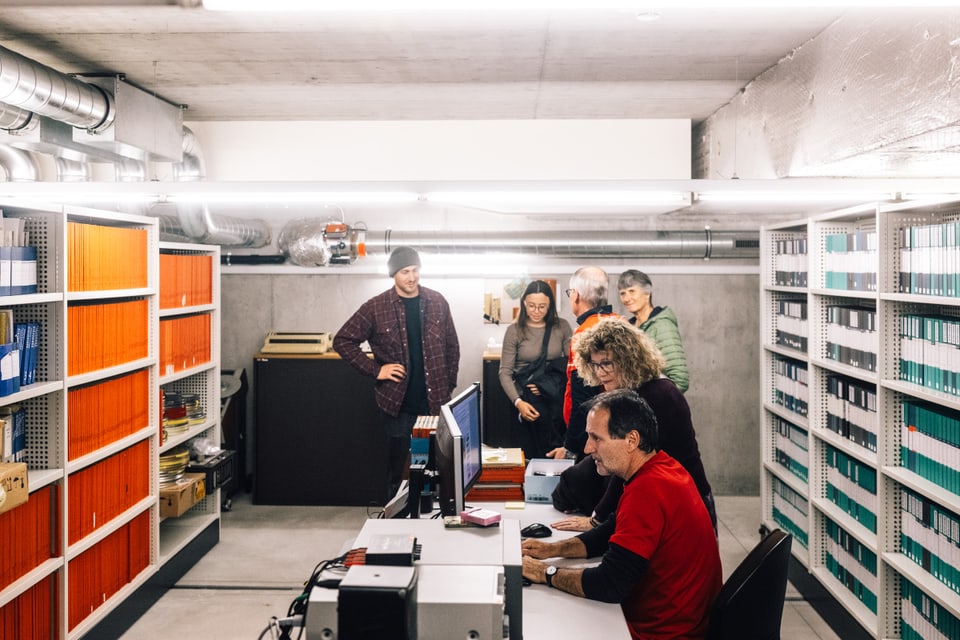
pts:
[418, 66]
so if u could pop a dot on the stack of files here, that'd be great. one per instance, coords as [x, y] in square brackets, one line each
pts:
[9, 355]
[18, 261]
[27, 336]
[502, 476]
[13, 427]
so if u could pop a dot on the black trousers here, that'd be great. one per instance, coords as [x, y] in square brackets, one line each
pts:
[397, 430]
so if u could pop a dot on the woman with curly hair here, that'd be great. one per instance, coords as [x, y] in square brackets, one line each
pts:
[615, 355]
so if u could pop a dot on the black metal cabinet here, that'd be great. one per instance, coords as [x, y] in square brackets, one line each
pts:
[499, 415]
[317, 433]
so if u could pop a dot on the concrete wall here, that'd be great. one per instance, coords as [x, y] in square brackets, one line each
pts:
[718, 315]
[716, 301]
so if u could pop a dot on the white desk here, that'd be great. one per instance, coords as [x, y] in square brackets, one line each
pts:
[549, 613]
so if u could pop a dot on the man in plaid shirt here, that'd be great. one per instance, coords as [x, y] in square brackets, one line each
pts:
[416, 354]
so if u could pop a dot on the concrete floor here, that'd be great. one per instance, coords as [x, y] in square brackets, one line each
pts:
[266, 553]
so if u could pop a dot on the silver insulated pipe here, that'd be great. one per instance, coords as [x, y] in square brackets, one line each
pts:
[705, 244]
[35, 87]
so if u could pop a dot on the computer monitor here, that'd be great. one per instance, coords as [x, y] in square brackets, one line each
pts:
[458, 453]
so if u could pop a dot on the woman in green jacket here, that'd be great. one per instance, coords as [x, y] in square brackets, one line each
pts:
[660, 323]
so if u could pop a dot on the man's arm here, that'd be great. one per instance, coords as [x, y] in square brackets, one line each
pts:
[452, 348]
[356, 330]
[569, 548]
[619, 570]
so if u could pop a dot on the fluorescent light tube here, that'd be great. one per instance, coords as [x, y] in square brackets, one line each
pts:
[331, 197]
[559, 198]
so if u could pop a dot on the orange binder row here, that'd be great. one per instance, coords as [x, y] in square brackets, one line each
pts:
[34, 614]
[105, 412]
[106, 335]
[28, 535]
[185, 280]
[184, 342]
[104, 490]
[101, 571]
[495, 492]
[102, 258]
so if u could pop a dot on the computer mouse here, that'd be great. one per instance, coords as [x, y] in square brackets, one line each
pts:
[536, 530]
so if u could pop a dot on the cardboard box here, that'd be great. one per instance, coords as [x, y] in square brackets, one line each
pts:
[177, 497]
[541, 477]
[13, 485]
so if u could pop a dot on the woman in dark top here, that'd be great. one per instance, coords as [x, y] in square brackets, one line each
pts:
[615, 355]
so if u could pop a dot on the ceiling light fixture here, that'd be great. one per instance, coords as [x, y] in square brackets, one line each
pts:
[567, 198]
[288, 197]
[639, 6]
[419, 5]
[773, 196]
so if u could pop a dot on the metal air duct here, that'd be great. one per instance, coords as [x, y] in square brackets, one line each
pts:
[14, 118]
[705, 244]
[107, 117]
[19, 165]
[38, 88]
[195, 220]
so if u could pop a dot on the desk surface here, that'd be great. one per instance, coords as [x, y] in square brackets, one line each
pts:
[547, 613]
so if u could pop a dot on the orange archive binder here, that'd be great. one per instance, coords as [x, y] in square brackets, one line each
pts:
[102, 413]
[184, 342]
[105, 335]
[106, 567]
[185, 280]
[103, 258]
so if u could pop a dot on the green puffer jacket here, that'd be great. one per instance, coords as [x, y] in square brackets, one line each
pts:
[662, 327]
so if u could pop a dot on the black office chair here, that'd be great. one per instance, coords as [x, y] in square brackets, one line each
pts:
[750, 603]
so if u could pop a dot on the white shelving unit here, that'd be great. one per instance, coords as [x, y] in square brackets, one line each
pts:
[844, 495]
[203, 380]
[48, 430]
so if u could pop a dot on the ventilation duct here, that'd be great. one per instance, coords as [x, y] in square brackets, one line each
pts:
[706, 244]
[14, 118]
[309, 242]
[72, 170]
[103, 118]
[19, 165]
[35, 87]
[195, 220]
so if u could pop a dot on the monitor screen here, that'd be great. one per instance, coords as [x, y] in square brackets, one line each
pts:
[458, 453]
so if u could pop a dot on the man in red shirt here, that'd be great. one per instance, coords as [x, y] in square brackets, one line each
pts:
[660, 558]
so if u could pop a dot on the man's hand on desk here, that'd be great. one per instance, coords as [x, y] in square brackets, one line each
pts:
[534, 570]
[569, 548]
[537, 549]
[574, 523]
[565, 579]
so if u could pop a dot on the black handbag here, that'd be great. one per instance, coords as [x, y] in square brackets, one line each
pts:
[548, 375]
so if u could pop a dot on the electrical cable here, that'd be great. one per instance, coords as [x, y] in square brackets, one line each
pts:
[297, 611]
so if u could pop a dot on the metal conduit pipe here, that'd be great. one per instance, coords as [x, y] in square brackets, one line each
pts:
[19, 165]
[577, 244]
[35, 87]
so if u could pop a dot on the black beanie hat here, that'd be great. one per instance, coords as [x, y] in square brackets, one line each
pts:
[401, 258]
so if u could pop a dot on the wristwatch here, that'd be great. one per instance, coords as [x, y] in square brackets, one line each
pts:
[551, 571]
